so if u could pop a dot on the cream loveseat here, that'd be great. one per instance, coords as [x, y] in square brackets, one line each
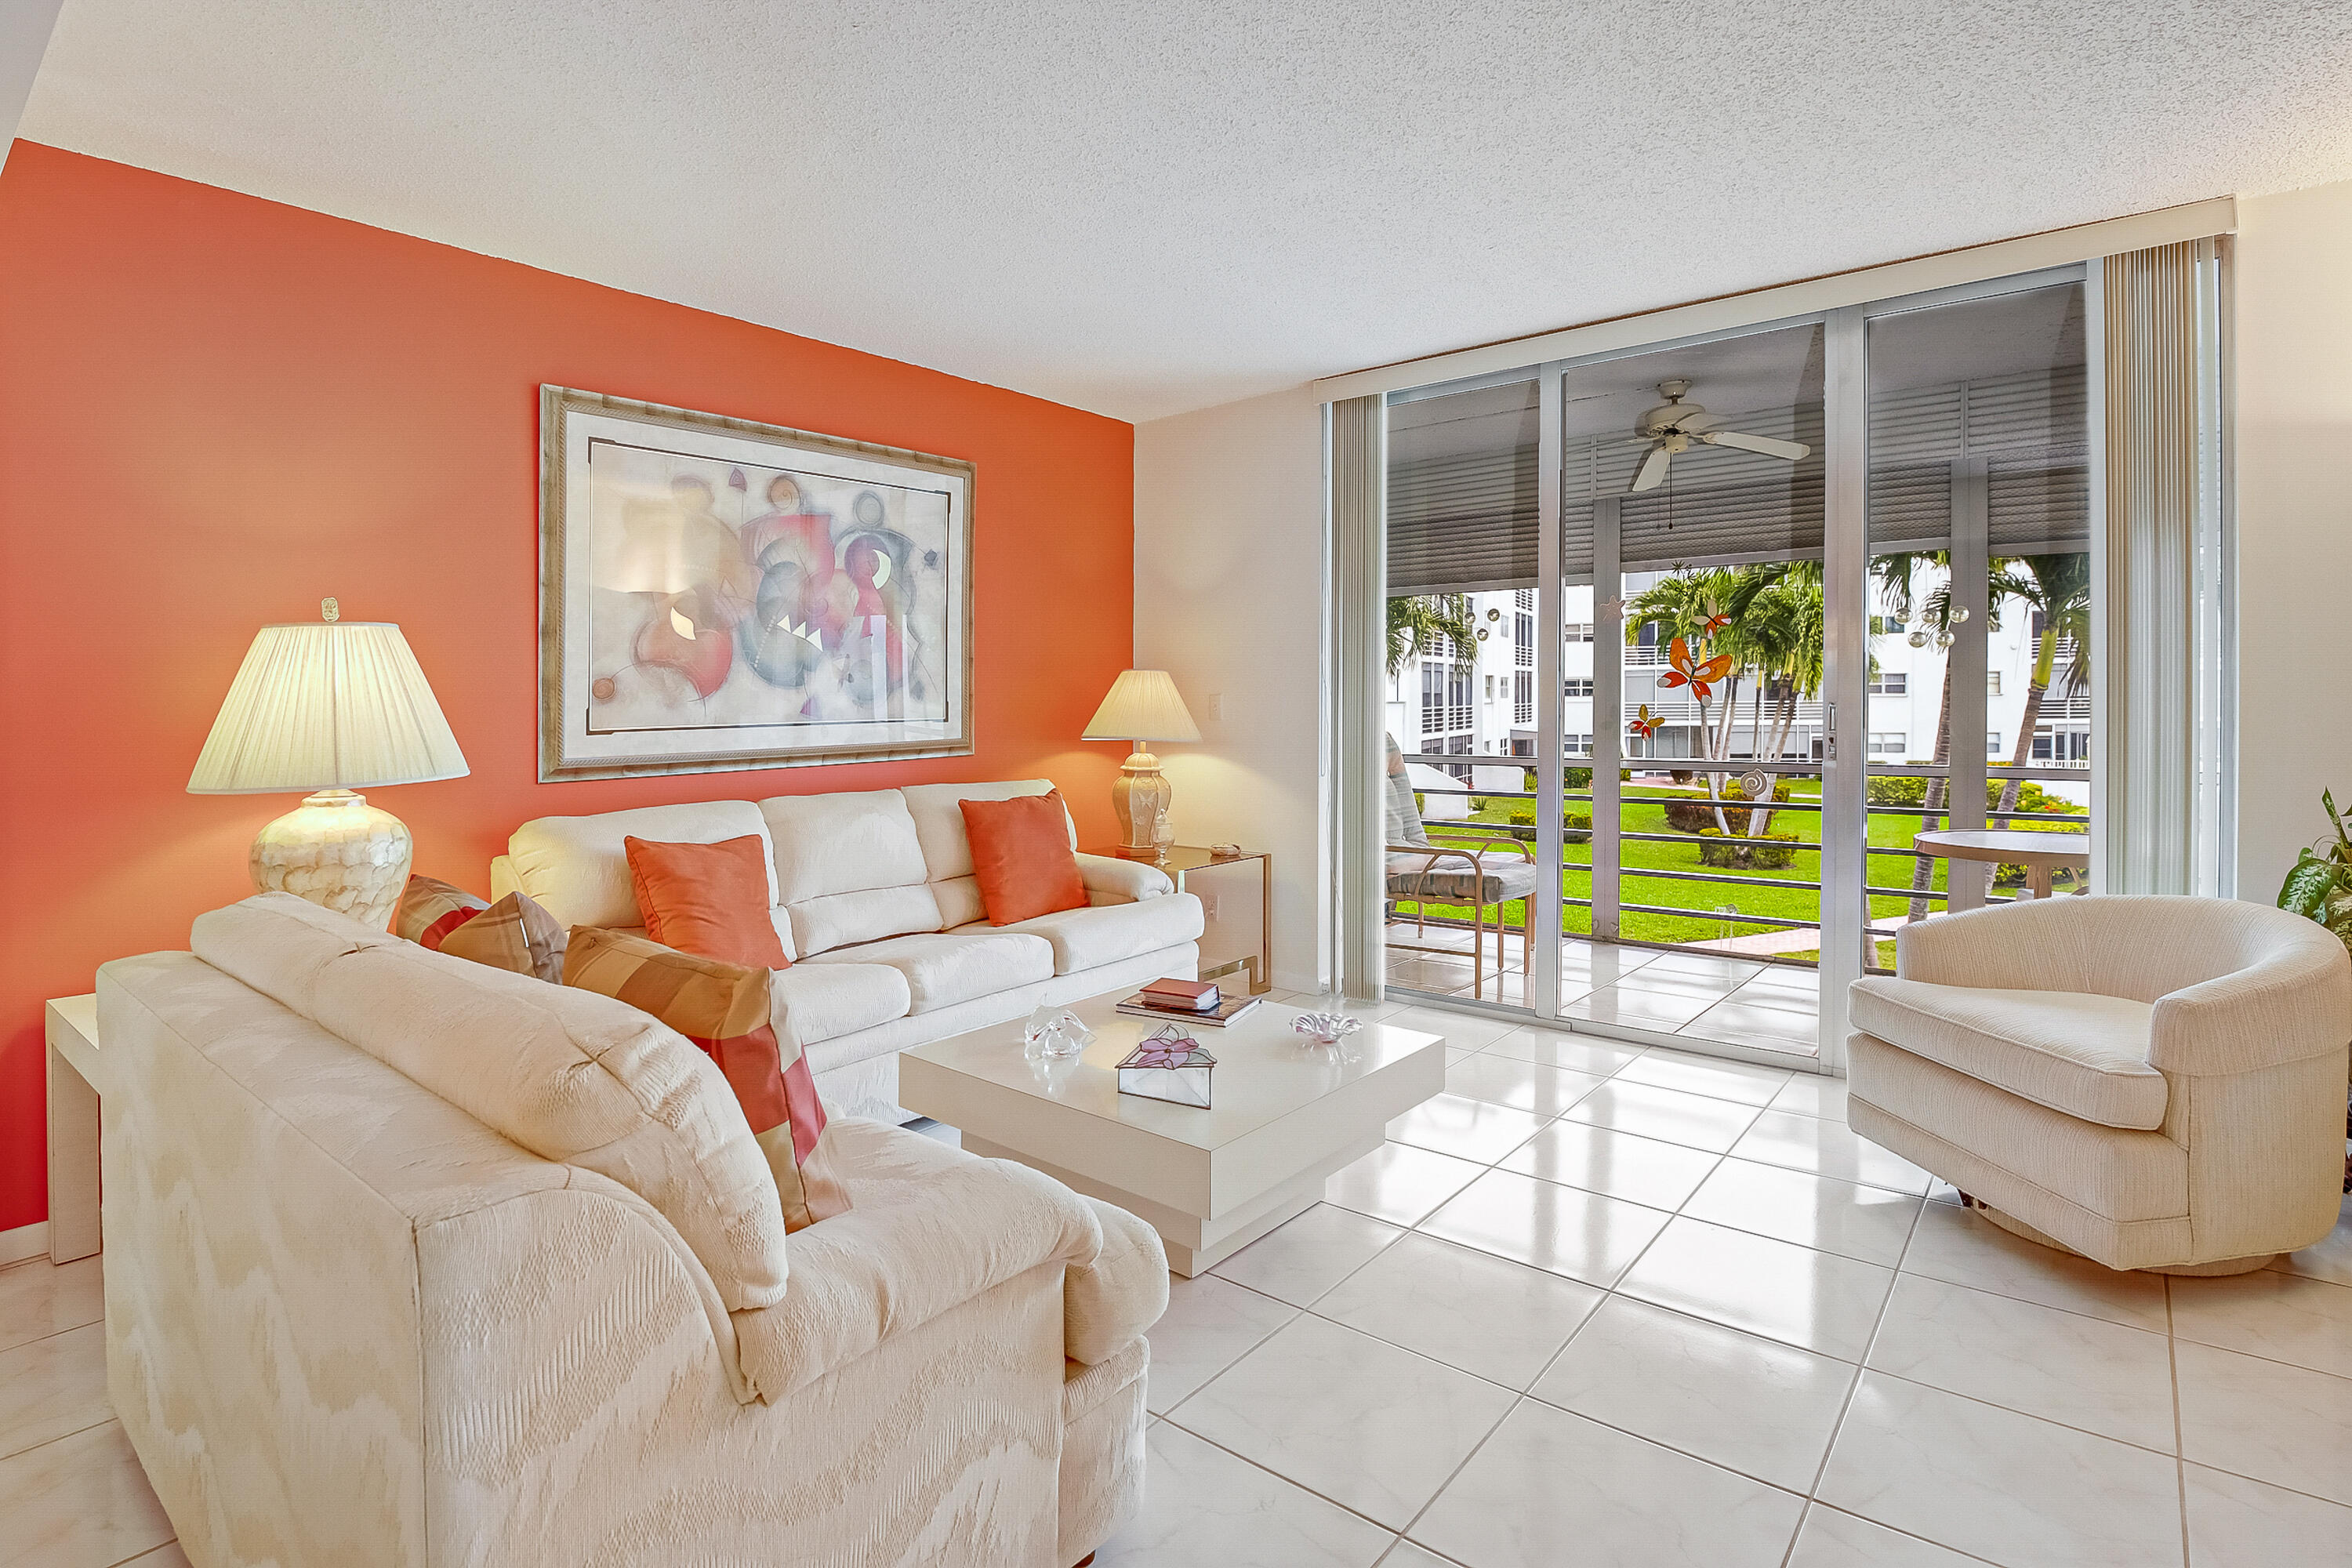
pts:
[350, 1322]
[873, 899]
[2153, 1082]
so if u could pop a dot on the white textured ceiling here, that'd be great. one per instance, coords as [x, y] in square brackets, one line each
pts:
[1144, 207]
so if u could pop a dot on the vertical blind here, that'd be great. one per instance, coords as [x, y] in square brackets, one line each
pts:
[2153, 371]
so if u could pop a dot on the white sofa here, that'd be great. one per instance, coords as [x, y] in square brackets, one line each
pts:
[873, 899]
[352, 1318]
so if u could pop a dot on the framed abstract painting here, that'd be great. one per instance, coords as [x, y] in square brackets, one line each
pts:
[716, 593]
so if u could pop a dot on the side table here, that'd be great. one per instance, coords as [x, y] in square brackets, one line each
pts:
[71, 1025]
[1236, 898]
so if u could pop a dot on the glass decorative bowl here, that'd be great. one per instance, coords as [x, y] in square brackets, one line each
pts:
[1326, 1028]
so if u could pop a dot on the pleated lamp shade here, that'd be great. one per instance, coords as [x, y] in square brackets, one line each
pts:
[327, 705]
[1142, 706]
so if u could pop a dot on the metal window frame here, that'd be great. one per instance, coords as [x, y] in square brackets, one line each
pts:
[1845, 851]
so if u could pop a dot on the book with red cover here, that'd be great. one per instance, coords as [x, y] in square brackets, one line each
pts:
[1217, 1018]
[1186, 995]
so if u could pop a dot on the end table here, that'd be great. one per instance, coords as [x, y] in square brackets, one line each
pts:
[71, 1025]
[1236, 898]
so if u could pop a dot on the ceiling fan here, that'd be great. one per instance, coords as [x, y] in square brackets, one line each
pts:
[1673, 425]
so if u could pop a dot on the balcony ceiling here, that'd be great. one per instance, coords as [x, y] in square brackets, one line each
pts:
[1144, 208]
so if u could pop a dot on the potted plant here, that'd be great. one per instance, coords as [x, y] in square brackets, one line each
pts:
[2319, 888]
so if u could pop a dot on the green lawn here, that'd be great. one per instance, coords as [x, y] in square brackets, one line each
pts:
[1740, 889]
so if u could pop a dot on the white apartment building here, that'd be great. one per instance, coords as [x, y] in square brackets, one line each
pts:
[1485, 705]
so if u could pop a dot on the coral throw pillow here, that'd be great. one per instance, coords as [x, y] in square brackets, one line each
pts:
[707, 898]
[1021, 854]
[725, 1008]
[516, 933]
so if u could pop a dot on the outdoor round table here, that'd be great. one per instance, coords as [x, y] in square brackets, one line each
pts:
[2039, 853]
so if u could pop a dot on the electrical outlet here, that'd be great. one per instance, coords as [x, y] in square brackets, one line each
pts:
[1214, 704]
[1209, 906]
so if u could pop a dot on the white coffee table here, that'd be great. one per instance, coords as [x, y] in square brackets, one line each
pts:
[1284, 1115]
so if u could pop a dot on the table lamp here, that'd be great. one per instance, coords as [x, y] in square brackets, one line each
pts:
[327, 706]
[1142, 706]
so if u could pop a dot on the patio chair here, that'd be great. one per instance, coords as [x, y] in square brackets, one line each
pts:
[1481, 866]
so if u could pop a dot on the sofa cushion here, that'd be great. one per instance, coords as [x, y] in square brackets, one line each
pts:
[569, 1075]
[1021, 857]
[1920, 1109]
[943, 968]
[708, 899]
[726, 1009]
[938, 812]
[578, 868]
[837, 919]
[2084, 1055]
[1106, 933]
[844, 843]
[822, 1001]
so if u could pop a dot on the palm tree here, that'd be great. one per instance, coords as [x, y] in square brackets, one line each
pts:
[1416, 622]
[2057, 589]
[1685, 605]
[1897, 576]
[1780, 633]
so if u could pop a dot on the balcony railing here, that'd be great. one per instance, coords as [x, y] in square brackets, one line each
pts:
[1811, 771]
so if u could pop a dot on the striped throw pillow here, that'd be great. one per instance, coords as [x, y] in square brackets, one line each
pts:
[516, 933]
[726, 1009]
[431, 908]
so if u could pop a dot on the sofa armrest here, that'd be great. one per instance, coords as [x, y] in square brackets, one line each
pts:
[928, 1228]
[1110, 1300]
[1117, 881]
[2287, 1008]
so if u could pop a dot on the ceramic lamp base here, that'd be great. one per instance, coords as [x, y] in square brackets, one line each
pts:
[339, 852]
[1140, 801]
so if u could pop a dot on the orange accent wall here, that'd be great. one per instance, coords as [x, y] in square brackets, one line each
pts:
[215, 410]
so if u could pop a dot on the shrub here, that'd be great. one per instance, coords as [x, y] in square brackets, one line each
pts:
[1898, 792]
[1698, 815]
[2031, 797]
[1778, 856]
[1575, 826]
[1578, 778]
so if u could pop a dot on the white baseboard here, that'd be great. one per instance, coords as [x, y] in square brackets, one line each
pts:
[25, 1241]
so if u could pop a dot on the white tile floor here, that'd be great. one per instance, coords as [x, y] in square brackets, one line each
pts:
[1598, 1306]
[1603, 1306]
[1698, 996]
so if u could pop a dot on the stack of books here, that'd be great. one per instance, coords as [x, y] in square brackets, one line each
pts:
[1190, 1001]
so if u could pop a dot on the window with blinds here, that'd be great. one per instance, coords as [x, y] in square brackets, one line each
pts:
[1723, 506]
[1462, 494]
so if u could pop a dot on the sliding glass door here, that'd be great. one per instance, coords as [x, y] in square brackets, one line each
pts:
[1692, 536]
[1980, 583]
[1690, 644]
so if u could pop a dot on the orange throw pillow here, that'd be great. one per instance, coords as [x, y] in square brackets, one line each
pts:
[707, 898]
[1021, 853]
[726, 1009]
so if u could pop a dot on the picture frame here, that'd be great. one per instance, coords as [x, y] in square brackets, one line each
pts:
[717, 594]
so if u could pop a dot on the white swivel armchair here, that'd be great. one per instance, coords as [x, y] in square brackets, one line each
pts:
[2152, 1082]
